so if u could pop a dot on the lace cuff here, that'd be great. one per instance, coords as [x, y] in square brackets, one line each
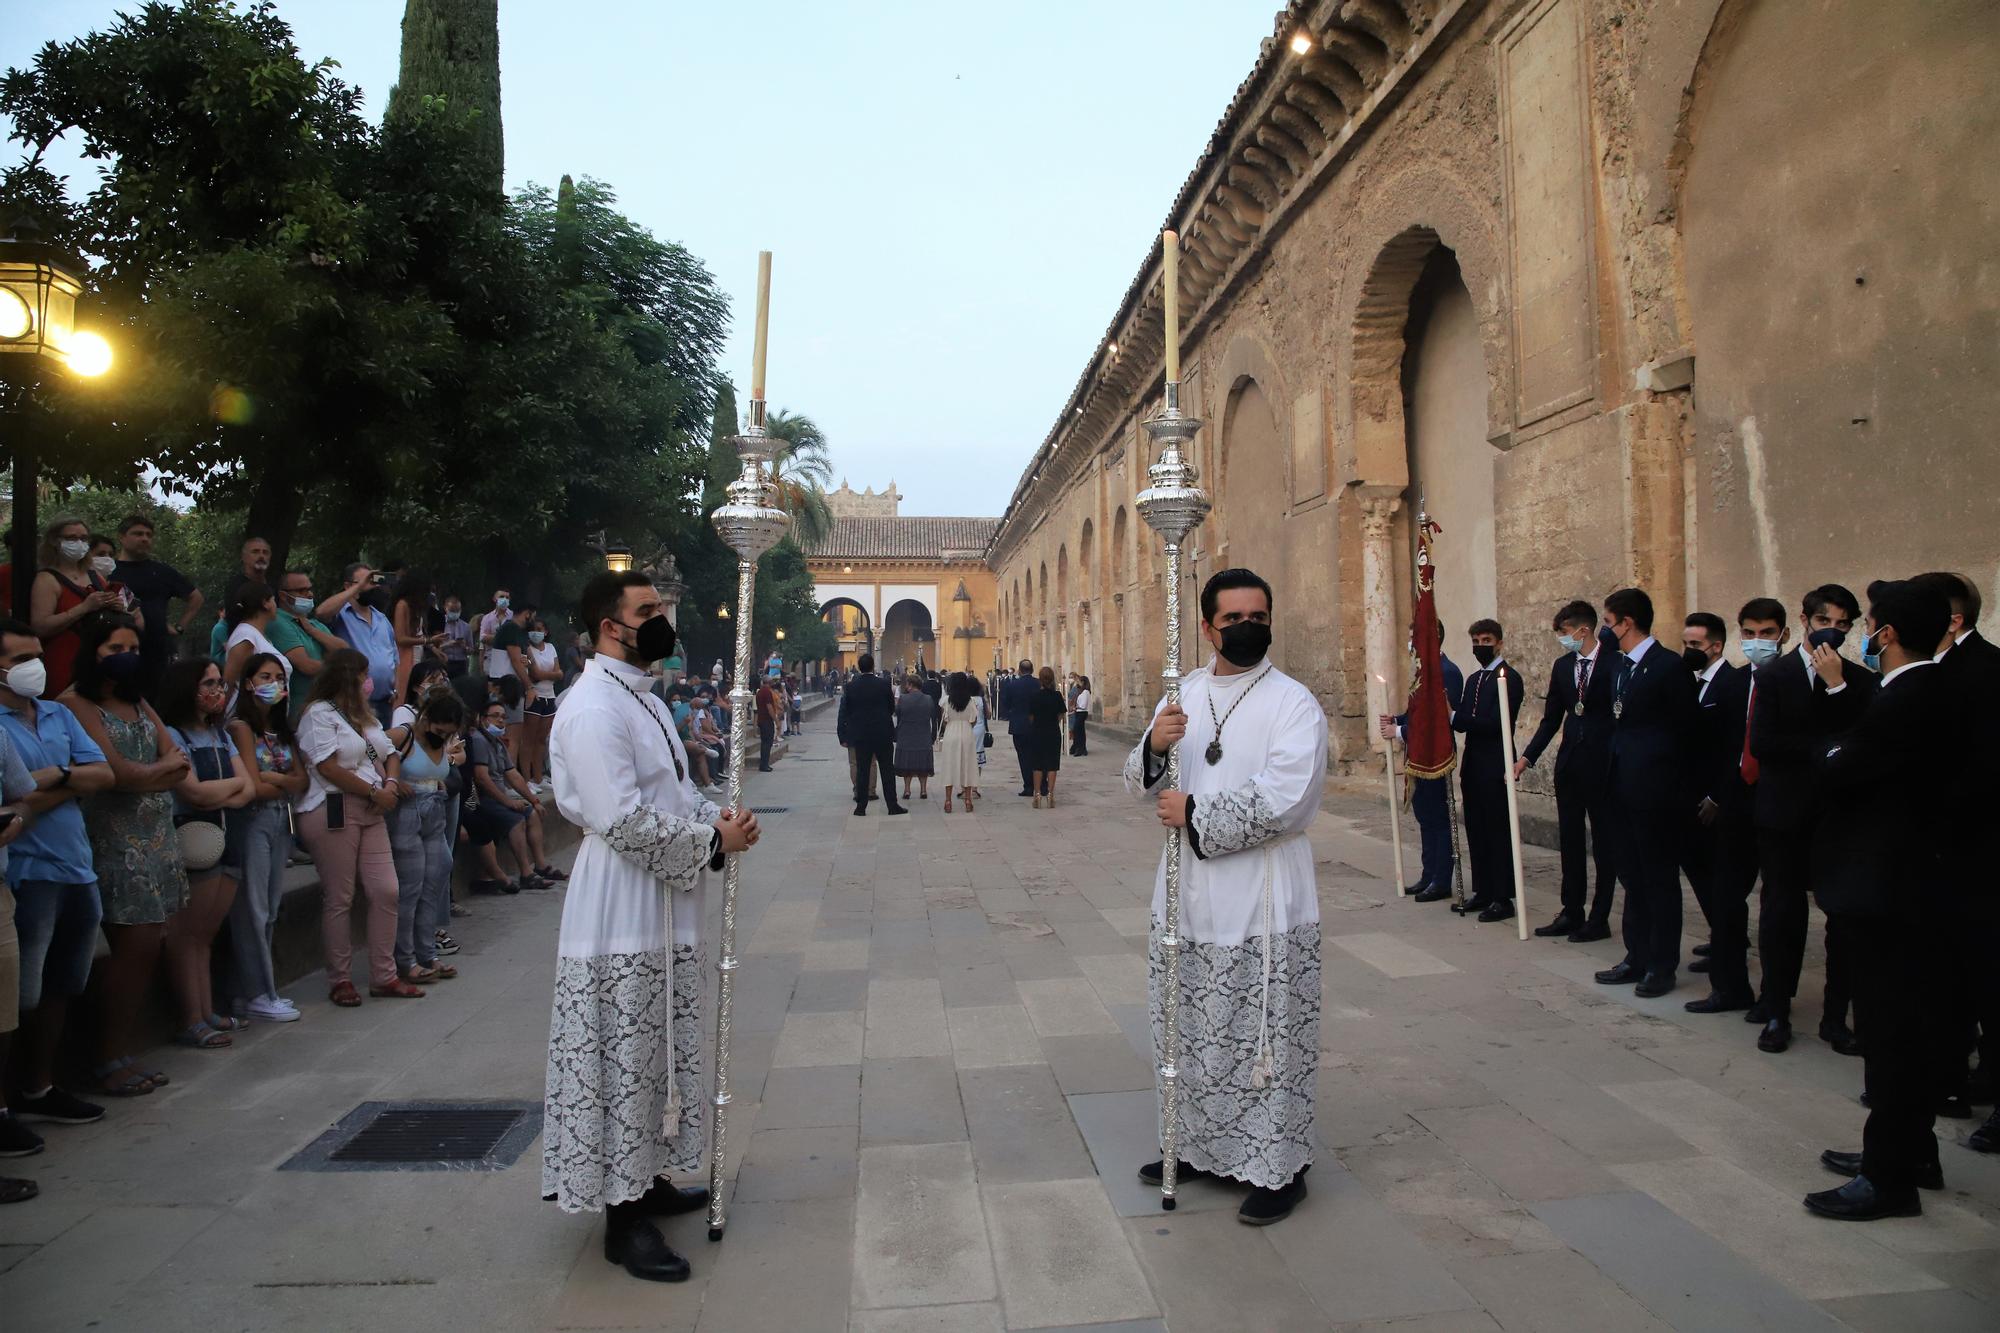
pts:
[1234, 821]
[667, 847]
[1143, 768]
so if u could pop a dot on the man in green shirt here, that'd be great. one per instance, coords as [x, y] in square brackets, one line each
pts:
[304, 641]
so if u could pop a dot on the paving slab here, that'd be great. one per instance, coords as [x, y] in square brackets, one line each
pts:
[819, 1039]
[786, 1261]
[920, 1237]
[905, 1017]
[986, 1036]
[981, 1318]
[1065, 1007]
[913, 1100]
[1122, 1132]
[1021, 1126]
[1061, 1255]
[1097, 1064]
[1390, 954]
[1357, 1259]
[1211, 1271]
[811, 1096]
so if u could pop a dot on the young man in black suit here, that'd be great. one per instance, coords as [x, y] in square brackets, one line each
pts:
[1804, 699]
[1893, 794]
[1430, 798]
[1016, 693]
[1703, 639]
[1724, 775]
[1482, 774]
[1970, 665]
[1652, 715]
[868, 712]
[1578, 703]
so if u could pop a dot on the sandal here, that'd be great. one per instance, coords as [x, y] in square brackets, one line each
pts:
[551, 874]
[18, 1191]
[221, 1024]
[202, 1037]
[398, 989]
[152, 1076]
[343, 994]
[947, 805]
[420, 975]
[117, 1080]
[443, 971]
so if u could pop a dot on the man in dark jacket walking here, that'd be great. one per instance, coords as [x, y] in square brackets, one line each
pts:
[1016, 693]
[868, 726]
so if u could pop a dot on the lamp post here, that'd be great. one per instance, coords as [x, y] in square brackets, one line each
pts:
[39, 285]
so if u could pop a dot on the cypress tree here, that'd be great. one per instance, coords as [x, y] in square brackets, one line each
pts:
[451, 49]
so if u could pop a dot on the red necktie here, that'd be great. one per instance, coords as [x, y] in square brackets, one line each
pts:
[1749, 761]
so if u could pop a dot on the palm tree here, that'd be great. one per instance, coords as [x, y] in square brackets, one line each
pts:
[800, 472]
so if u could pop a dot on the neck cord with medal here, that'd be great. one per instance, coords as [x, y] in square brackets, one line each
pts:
[680, 774]
[1214, 751]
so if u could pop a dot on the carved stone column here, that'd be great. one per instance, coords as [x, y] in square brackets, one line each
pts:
[1378, 602]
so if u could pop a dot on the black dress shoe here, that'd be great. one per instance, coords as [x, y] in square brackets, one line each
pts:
[1473, 906]
[1024, 792]
[667, 1199]
[899, 809]
[1415, 889]
[1594, 930]
[637, 1246]
[1622, 975]
[1955, 1107]
[1434, 893]
[1562, 925]
[1654, 985]
[1702, 950]
[1501, 909]
[1698, 965]
[860, 809]
[1849, 1164]
[1859, 1201]
[1987, 1137]
[1837, 1035]
[1776, 1036]
[1760, 1012]
[1263, 1207]
[1150, 1172]
[1717, 1002]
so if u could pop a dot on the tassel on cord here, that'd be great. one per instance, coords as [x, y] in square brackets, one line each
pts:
[1261, 1069]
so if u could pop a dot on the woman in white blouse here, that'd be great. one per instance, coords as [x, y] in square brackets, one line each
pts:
[250, 617]
[341, 817]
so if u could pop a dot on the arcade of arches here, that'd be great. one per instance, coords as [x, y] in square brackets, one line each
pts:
[1667, 322]
[912, 590]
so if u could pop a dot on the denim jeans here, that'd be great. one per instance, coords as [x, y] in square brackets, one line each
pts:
[57, 927]
[420, 837]
[253, 916]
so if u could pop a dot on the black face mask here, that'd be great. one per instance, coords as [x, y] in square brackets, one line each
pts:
[1608, 637]
[1245, 643]
[126, 672]
[654, 640]
[1484, 653]
[1832, 638]
[1696, 659]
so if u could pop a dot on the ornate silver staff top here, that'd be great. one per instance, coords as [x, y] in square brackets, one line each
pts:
[751, 524]
[1172, 506]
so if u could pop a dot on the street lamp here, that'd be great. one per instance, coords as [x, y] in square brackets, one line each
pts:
[39, 286]
[781, 634]
[618, 558]
[722, 612]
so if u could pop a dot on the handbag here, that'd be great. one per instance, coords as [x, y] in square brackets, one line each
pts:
[201, 844]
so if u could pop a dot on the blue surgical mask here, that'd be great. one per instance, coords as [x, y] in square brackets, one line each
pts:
[1758, 652]
[536, 636]
[1570, 643]
[1871, 654]
[496, 732]
[302, 605]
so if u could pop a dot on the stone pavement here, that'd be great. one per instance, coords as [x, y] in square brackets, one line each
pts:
[943, 1089]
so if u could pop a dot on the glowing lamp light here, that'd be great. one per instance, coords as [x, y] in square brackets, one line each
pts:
[89, 355]
[781, 634]
[722, 612]
[39, 286]
[1301, 43]
[618, 558]
[15, 317]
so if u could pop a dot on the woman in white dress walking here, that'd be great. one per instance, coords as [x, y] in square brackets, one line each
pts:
[958, 765]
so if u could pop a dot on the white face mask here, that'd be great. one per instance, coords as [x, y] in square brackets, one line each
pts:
[28, 679]
[74, 550]
[105, 566]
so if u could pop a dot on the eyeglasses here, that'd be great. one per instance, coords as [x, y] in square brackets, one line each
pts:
[212, 686]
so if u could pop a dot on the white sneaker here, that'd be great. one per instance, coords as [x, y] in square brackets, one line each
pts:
[273, 1009]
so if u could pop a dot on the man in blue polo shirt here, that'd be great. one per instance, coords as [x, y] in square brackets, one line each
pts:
[49, 869]
[359, 613]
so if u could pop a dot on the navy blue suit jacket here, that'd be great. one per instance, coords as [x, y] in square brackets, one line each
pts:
[1585, 752]
[1653, 722]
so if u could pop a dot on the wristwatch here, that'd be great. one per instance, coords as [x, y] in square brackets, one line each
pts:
[63, 769]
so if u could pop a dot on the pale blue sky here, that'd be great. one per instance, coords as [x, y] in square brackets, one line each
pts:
[956, 195]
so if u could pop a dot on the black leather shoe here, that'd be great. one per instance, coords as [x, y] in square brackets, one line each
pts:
[1435, 893]
[1987, 1137]
[1654, 985]
[1264, 1207]
[1622, 975]
[1760, 1012]
[1955, 1107]
[1594, 930]
[1837, 1035]
[1474, 906]
[899, 809]
[1859, 1201]
[668, 1200]
[1702, 950]
[1415, 889]
[1024, 792]
[860, 809]
[1776, 1036]
[1697, 965]
[1849, 1164]
[1562, 925]
[1501, 909]
[1716, 1002]
[1150, 1172]
[636, 1245]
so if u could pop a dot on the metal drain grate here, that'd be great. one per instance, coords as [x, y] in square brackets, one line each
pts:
[424, 1136]
[770, 809]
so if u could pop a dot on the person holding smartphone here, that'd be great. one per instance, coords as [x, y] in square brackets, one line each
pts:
[342, 817]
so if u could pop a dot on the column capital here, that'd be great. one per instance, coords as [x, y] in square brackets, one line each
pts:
[1378, 510]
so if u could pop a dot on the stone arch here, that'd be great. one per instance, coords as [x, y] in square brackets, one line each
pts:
[853, 629]
[1116, 687]
[1252, 508]
[907, 633]
[1089, 580]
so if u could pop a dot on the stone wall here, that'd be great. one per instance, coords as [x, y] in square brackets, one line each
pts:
[1693, 294]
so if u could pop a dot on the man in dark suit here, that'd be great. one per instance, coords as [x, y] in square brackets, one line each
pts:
[1016, 693]
[1703, 639]
[1652, 715]
[1723, 809]
[1892, 793]
[1970, 665]
[1803, 700]
[1482, 774]
[1581, 676]
[868, 713]
[1430, 798]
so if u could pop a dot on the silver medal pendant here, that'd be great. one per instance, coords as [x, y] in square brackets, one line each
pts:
[1579, 708]
[1618, 708]
[1213, 753]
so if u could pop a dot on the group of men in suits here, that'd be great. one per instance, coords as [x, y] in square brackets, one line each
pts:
[1830, 779]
